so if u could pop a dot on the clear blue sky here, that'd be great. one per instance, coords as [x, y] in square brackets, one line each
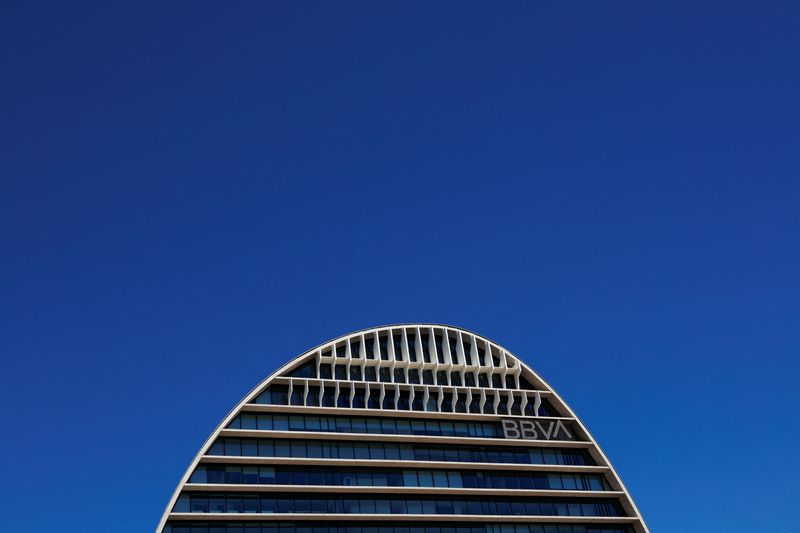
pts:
[193, 193]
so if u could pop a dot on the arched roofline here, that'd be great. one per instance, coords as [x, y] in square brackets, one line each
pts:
[300, 359]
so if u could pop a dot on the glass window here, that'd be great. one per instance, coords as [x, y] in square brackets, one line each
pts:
[302, 504]
[266, 475]
[379, 478]
[182, 505]
[314, 449]
[350, 505]
[283, 476]
[361, 450]
[325, 371]
[388, 400]
[199, 475]
[297, 423]
[216, 474]
[268, 504]
[280, 422]
[358, 425]
[433, 403]
[444, 507]
[388, 426]
[316, 477]
[376, 450]
[503, 507]
[468, 354]
[397, 507]
[216, 503]
[248, 421]
[252, 504]
[355, 350]
[394, 478]
[425, 478]
[250, 475]
[596, 483]
[313, 395]
[447, 403]
[343, 425]
[234, 503]
[284, 505]
[474, 507]
[439, 478]
[461, 403]
[250, 447]
[454, 479]
[283, 448]
[318, 505]
[299, 477]
[344, 396]
[403, 426]
[233, 474]
[264, 422]
[403, 451]
[346, 452]
[373, 402]
[367, 506]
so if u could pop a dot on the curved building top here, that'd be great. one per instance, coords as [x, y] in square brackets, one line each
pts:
[411, 427]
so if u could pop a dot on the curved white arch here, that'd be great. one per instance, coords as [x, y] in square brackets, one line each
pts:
[626, 500]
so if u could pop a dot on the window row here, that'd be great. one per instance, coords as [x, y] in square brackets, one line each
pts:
[375, 425]
[427, 376]
[305, 527]
[366, 504]
[383, 451]
[379, 351]
[346, 394]
[393, 477]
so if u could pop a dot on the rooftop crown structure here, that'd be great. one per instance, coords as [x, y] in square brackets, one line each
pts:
[415, 428]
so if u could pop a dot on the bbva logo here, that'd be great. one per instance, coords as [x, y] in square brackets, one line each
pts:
[535, 430]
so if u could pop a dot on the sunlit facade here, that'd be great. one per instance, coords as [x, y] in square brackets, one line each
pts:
[414, 428]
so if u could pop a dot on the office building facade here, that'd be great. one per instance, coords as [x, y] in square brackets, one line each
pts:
[416, 428]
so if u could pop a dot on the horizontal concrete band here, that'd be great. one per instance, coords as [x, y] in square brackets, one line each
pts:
[375, 463]
[388, 413]
[427, 439]
[267, 517]
[339, 489]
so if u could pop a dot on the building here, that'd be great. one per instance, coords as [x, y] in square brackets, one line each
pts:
[415, 428]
